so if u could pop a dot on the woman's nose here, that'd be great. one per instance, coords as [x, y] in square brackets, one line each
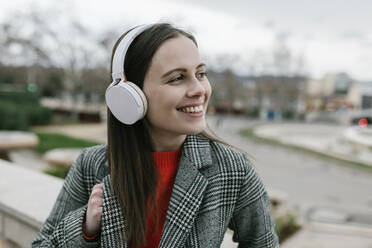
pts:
[196, 88]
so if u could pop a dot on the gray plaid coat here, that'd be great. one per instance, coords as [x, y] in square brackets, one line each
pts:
[215, 188]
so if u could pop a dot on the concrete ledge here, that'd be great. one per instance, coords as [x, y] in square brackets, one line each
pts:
[27, 197]
[17, 139]
[18, 232]
[62, 156]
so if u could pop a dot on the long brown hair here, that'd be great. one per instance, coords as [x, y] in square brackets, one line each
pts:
[133, 173]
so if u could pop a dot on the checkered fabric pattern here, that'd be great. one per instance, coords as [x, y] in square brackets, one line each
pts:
[215, 188]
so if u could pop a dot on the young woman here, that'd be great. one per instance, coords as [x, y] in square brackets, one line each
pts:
[161, 181]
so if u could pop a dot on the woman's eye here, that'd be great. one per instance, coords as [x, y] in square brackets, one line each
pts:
[201, 75]
[180, 77]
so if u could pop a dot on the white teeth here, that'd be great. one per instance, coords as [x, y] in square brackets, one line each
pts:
[195, 109]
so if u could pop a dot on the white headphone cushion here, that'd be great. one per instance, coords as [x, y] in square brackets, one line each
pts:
[140, 94]
[125, 103]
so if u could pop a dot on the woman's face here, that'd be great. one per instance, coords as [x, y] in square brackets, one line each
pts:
[177, 89]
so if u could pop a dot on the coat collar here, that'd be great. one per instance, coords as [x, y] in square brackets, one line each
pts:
[187, 195]
[197, 150]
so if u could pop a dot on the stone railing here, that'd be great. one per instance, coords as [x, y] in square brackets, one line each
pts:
[26, 199]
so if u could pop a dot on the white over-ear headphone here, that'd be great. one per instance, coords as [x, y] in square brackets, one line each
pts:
[125, 99]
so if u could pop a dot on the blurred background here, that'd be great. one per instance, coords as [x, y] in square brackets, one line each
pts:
[292, 86]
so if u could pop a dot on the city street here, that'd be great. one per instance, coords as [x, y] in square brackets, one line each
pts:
[315, 185]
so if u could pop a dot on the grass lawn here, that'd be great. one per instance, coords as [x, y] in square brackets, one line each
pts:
[49, 141]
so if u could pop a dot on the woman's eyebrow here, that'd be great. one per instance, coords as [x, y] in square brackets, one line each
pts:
[171, 71]
[180, 69]
[201, 65]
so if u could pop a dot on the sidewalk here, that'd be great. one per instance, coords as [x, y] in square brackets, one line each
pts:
[330, 228]
[330, 140]
[321, 235]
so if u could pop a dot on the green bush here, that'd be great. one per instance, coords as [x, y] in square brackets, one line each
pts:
[20, 110]
[11, 117]
[253, 112]
[15, 116]
[285, 226]
[20, 97]
[288, 114]
[37, 114]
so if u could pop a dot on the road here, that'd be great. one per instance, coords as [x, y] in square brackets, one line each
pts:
[311, 183]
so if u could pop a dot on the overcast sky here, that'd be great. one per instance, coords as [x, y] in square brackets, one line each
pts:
[328, 35]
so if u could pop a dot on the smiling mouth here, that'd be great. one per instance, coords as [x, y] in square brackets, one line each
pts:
[193, 109]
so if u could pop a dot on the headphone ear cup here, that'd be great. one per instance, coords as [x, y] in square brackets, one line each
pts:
[126, 102]
[141, 95]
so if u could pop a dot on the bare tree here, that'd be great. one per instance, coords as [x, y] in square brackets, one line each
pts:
[49, 38]
[279, 76]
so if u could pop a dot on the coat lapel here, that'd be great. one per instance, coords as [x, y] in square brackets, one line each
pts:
[188, 192]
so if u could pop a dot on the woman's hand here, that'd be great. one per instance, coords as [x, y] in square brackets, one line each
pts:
[92, 224]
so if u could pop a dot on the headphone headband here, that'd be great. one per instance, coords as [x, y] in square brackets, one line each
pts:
[118, 72]
[125, 99]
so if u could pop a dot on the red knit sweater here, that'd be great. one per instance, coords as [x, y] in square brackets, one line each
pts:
[167, 165]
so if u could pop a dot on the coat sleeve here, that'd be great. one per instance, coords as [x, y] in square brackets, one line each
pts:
[252, 222]
[63, 227]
